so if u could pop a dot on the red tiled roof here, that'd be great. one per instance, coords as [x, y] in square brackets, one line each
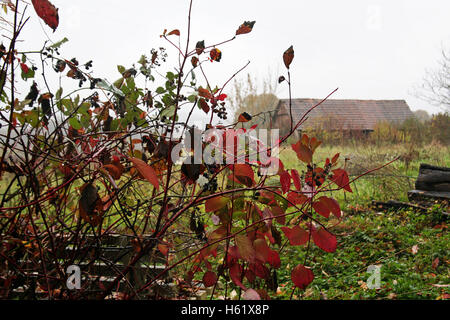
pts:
[346, 114]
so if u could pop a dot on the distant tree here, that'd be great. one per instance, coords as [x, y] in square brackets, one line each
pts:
[246, 97]
[439, 127]
[435, 88]
[422, 115]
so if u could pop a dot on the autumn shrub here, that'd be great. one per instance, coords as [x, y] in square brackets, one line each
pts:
[99, 161]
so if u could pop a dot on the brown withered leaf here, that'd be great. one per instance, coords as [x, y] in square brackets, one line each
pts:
[246, 27]
[194, 61]
[244, 117]
[192, 171]
[215, 54]
[288, 56]
[115, 169]
[146, 171]
[174, 32]
[200, 47]
[203, 105]
[90, 205]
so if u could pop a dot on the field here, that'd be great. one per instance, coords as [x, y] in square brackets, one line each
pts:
[391, 182]
[411, 248]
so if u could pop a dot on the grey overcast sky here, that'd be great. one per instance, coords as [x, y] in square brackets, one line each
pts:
[370, 49]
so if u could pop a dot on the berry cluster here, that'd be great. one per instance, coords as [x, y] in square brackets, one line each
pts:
[221, 112]
[212, 184]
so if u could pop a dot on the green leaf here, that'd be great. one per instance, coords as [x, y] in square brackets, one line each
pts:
[121, 69]
[170, 76]
[59, 43]
[85, 121]
[143, 60]
[68, 104]
[131, 84]
[84, 108]
[168, 112]
[160, 90]
[22, 104]
[118, 83]
[105, 85]
[29, 75]
[33, 118]
[59, 94]
[192, 98]
[77, 100]
[75, 123]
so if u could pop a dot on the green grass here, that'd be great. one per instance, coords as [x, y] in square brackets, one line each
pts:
[391, 182]
[367, 238]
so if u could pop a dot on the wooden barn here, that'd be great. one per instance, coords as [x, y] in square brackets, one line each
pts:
[352, 116]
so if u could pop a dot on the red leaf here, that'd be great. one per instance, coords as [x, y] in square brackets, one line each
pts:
[236, 274]
[244, 174]
[297, 236]
[435, 263]
[279, 214]
[335, 158]
[245, 248]
[340, 177]
[267, 215]
[296, 198]
[250, 275]
[233, 254]
[175, 32]
[296, 178]
[321, 208]
[260, 270]
[303, 152]
[163, 249]
[301, 276]
[324, 240]
[146, 171]
[274, 259]
[24, 68]
[216, 203]
[285, 180]
[114, 170]
[262, 250]
[47, 12]
[209, 279]
[221, 97]
[314, 143]
[288, 56]
[333, 205]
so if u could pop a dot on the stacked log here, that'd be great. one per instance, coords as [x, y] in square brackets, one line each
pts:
[433, 183]
[432, 178]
